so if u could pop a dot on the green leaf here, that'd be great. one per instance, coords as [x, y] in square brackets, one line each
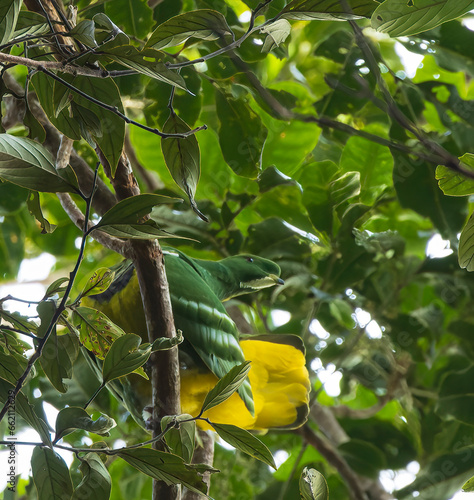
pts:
[126, 218]
[71, 418]
[456, 399]
[134, 16]
[165, 343]
[344, 188]
[96, 481]
[84, 32]
[277, 32]
[205, 24]
[45, 88]
[28, 164]
[125, 356]
[50, 474]
[107, 128]
[34, 207]
[363, 457]
[375, 164]
[148, 62]
[408, 17]
[313, 485]
[453, 183]
[181, 437]
[417, 189]
[244, 441]
[11, 368]
[30, 23]
[9, 10]
[106, 28]
[99, 282]
[25, 410]
[466, 245]
[468, 486]
[164, 467]
[56, 288]
[183, 158]
[58, 357]
[97, 332]
[327, 10]
[242, 135]
[226, 386]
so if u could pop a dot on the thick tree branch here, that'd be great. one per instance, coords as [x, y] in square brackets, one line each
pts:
[149, 264]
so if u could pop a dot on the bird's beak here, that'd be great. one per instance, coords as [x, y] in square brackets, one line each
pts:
[276, 279]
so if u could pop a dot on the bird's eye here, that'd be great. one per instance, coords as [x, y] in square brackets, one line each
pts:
[249, 259]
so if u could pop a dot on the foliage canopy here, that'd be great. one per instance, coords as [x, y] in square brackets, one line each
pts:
[292, 131]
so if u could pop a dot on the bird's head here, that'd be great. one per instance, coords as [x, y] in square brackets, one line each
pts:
[252, 273]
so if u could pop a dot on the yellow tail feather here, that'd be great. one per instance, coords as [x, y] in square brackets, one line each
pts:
[280, 386]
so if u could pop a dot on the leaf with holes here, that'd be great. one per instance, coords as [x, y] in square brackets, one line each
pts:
[97, 332]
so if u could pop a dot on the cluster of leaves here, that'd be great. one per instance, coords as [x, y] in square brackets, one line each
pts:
[319, 154]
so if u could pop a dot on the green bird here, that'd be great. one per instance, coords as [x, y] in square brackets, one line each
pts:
[211, 347]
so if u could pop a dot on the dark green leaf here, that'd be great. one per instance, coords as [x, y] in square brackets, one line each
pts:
[58, 357]
[71, 418]
[164, 467]
[134, 16]
[363, 457]
[309, 10]
[456, 399]
[148, 62]
[165, 343]
[183, 158]
[125, 356]
[34, 206]
[11, 368]
[51, 475]
[244, 441]
[126, 219]
[55, 288]
[30, 23]
[181, 437]
[226, 386]
[9, 10]
[204, 24]
[25, 410]
[313, 485]
[96, 481]
[242, 135]
[28, 164]
[403, 18]
[84, 32]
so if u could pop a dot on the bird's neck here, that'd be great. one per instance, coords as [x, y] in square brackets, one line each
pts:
[222, 281]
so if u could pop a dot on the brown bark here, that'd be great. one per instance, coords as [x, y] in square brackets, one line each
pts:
[149, 264]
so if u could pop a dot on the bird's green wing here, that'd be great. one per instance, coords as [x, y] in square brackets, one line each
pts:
[209, 332]
[202, 318]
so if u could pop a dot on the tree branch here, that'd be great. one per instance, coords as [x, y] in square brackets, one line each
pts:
[148, 260]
